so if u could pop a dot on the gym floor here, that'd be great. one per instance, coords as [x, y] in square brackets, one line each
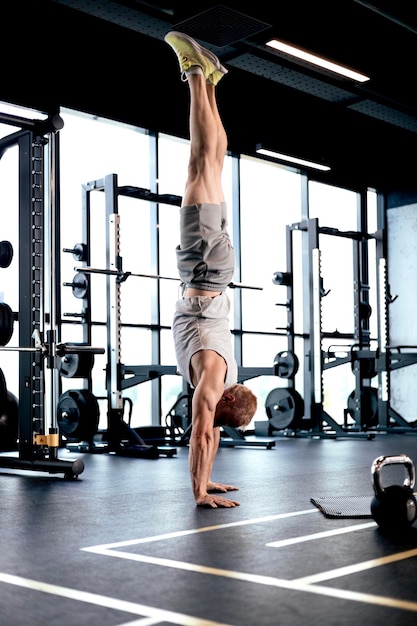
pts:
[124, 544]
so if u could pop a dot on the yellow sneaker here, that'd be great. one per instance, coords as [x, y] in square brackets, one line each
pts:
[217, 75]
[190, 54]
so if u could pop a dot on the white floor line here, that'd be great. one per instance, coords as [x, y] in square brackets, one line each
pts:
[159, 615]
[357, 567]
[358, 596]
[143, 621]
[323, 535]
[196, 531]
[293, 585]
[306, 584]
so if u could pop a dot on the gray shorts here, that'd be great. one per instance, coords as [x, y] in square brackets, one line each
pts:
[205, 256]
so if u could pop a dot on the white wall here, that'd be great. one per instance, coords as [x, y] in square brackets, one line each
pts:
[402, 275]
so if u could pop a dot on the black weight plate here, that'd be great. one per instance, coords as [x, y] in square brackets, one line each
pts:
[284, 408]
[3, 392]
[70, 410]
[80, 285]
[76, 364]
[90, 417]
[6, 323]
[286, 364]
[78, 415]
[369, 402]
[9, 423]
[6, 253]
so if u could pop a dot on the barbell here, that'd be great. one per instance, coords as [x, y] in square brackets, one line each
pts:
[82, 284]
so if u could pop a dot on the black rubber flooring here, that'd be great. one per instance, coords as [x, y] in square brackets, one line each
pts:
[124, 544]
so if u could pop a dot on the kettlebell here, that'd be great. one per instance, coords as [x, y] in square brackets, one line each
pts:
[394, 508]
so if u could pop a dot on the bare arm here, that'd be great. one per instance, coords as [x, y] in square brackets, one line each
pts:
[209, 369]
[212, 486]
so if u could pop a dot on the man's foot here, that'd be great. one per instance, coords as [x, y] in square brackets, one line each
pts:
[191, 54]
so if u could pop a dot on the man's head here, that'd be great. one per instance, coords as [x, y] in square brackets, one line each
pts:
[236, 407]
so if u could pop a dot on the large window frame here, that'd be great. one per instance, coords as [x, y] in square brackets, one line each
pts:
[263, 198]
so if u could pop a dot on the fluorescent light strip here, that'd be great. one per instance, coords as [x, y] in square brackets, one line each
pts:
[290, 159]
[315, 60]
[20, 111]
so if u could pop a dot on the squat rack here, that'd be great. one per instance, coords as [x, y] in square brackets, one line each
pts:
[38, 315]
[121, 438]
[368, 406]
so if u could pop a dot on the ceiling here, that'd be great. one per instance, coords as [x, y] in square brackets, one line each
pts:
[110, 59]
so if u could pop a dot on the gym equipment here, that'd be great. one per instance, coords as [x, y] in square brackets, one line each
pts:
[343, 506]
[363, 362]
[79, 252]
[320, 423]
[394, 508]
[284, 408]
[78, 415]
[9, 423]
[76, 364]
[38, 311]
[6, 323]
[282, 278]
[121, 438]
[366, 406]
[6, 253]
[79, 285]
[9, 417]
[178, 419]
[286, 364]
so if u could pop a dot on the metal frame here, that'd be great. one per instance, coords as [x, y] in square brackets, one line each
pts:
[317, 422]
[38, 315]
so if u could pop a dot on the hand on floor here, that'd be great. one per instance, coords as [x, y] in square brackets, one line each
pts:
[219, 488]
[215, 502]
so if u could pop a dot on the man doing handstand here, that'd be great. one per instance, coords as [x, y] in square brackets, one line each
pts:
[206, 262]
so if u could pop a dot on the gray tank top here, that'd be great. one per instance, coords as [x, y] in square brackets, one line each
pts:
[201, 323]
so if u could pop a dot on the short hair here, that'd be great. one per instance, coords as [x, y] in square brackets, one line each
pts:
[244, 407]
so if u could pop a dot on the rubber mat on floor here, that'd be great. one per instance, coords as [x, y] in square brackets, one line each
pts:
[344, 506]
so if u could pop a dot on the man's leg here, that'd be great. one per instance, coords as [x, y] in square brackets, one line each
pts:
[207, 146]
[208, 141]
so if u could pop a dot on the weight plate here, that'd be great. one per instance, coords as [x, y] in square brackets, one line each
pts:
[9, 422]
[6, 253]
[80, 285]
[6, 323]
[369, 406]
[284, 408]
[3, 392]
[78, 415]
[76, 364]
[286, 364]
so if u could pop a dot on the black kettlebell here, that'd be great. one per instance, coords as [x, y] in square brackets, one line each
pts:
[394, 508]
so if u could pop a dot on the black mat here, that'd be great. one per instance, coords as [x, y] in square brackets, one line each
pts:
[344, 506]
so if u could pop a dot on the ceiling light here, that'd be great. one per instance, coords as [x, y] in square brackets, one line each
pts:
[14, 110]
[315, 60]
[290, 159]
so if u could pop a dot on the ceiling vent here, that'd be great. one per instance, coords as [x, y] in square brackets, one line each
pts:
[221, 26]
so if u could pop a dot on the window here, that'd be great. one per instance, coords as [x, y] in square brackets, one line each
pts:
[263, 200]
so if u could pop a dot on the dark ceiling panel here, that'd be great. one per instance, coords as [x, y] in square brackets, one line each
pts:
[221, 26]
[113, 61]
